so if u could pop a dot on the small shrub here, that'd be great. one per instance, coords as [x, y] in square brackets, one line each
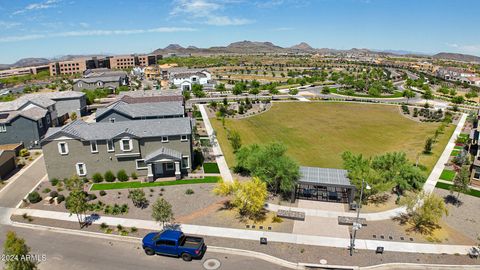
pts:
[54, 181]
[103, 226]
[123, 233]
[59, 189]
[97, 178]
[133, 230]
[162, 189]
[277, 219]
[151, 190]
[34, 197]
[53, 194]
[108, 230]
[60, 198]
[122, 176]
[91, 197]
[25, 216]
[46, 190]
[103, 193]
[24, 152]
[109, 176]
[85, 180]
[134, 175]
[119, 227]
[189, 191]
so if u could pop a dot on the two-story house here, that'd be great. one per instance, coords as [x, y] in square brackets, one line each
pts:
[122, 111]
[101, 78]
[185, 78]
[151, 148]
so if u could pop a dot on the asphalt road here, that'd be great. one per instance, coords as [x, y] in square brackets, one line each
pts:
[11, 195]
[65, 251]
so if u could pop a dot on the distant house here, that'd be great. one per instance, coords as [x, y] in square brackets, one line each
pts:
[26, 119]
[122, 111]
[453, 74]
[101, 78]
[150, 148]
[7, 163]
[185, 78]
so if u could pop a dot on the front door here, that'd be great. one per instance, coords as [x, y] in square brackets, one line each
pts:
[159, 169]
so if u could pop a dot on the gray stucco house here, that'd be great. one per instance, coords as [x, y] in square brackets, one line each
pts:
[122, 111]
[101, 78]
[151, 148]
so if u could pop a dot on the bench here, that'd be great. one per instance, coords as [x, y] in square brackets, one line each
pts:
[295, 215]
[342, 220]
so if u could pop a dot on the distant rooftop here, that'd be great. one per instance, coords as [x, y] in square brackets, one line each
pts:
[324, 176]
[41, 99]
[139, 110]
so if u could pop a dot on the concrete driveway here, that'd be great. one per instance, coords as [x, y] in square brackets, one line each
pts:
[22, 183]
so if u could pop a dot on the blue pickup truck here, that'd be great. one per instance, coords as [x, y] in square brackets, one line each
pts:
[174, 243]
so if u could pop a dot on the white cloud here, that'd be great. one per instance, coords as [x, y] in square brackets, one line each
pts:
[8, 25]
[40, 5]
[207, 12]
[82, 33]
[466, 48]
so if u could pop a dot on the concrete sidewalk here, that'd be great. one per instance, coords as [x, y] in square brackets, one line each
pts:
[217, 150]
[255, 235]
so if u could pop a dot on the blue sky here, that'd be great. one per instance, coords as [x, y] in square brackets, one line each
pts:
[50, 28]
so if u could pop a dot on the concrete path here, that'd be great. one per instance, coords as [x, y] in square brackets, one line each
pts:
[255, 235]
[22, 183]
[217, 150]
[302, 99]
[432, 179]
[428, 187]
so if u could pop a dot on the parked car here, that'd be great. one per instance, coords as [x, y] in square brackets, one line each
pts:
[174, 243]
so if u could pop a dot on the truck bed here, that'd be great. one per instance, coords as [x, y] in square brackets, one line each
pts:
[191, 242]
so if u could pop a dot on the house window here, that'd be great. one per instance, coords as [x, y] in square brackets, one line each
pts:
[126, 145]
[94, 147]
[170, 166]
[141, 165]
[164, 138]
[3, 128]
[80, 85]
[48, 120]
[110, 146]
[184, 138]
[81, 169]
[111, 120]
[99, 83]
[40, 124]
[185, 164]
[63, 148]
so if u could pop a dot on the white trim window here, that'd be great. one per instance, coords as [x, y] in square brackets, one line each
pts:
[48, 120]
[81, 169]
[185, 162]
[164, 138]
[170, 166]
[3, 128]
[93, 146]
[184, 138]
[126, 145]
[110, 146]
[140, 164]
[63, 148]
[40, 123]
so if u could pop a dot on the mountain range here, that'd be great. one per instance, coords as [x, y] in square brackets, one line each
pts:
[256, 47]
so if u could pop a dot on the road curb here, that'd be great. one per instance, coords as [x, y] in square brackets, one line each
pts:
[26, 195]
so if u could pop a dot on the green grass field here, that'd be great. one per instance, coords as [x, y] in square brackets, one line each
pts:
[138, 184]
[447, 175]
[471, 192]
[316, 134]
[211, 168]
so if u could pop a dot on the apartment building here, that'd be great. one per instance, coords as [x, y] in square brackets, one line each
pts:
[22, 71]
[68, 67]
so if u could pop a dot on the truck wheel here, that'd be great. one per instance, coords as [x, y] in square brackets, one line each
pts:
[186, 257]
[149, 251]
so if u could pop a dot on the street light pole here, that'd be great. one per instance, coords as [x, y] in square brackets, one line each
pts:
[356, 226]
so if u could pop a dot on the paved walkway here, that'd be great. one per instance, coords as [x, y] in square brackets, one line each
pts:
[255, 235]
[217, 150]
[428, 187]
[301, 98]
[22, 183]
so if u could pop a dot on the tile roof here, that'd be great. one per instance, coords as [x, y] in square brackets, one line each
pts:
[106, 130]
[34, 113]
[99, 79]
[133, 100]
[41, 99]
[138, 110]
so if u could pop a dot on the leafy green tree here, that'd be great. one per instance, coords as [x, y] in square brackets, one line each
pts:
[248, 197]
[428, 94]
[458, 99]
[77, 203]
[271, 164]
[461, 182]
[424, 210]
[220, 87]
[408, 94]
[293, 91]
[197, 90]
[235, 140]
[138, 197]
[254, 91]
[427, 149]
[239, 88]
[326, 90]
[15, 247]
[254, 84]
[162, 211]
[453, 92]
[444, 90]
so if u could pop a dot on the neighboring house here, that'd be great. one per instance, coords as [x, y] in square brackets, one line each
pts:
[25, 126]
[471, 80]
[101, 78]
[7, 163]
[134, 97]
[66, 102]
[185, 78]
[453, 74]
[122, 111]
[151, 148]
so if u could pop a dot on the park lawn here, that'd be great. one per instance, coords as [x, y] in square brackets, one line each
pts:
[211, 168]
[471, 192]
[138, 184]
[447, 175]
[316, 134]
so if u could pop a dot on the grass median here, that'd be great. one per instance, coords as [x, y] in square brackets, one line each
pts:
[471, 192]
[138, 184]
